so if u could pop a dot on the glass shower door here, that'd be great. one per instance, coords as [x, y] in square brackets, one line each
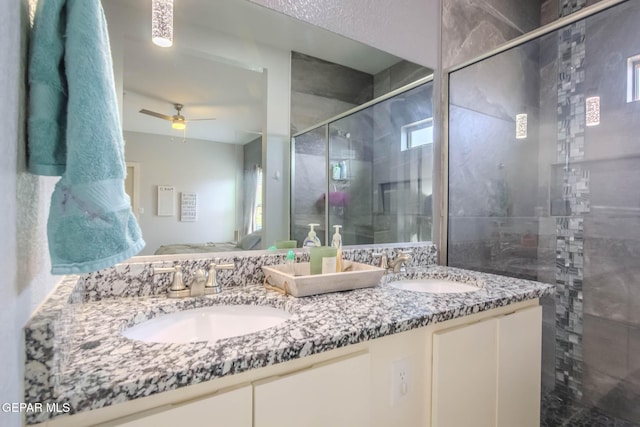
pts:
[370, 172]
[350, 180]
[308, 186]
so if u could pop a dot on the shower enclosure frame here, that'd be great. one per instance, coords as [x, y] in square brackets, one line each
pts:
[326, 123]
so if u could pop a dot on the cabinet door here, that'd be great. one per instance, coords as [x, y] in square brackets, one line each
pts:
[334, 394]
[464, 376]
[229, 409]
[519, 364]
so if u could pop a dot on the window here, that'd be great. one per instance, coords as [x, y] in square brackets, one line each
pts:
[416, 134]
[633, 78]
[636, 81]
[257, 210]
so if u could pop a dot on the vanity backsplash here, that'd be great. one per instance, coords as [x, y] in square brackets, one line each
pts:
[136, 279]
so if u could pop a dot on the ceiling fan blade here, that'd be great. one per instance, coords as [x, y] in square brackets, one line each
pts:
[158, 115]
[200, 120]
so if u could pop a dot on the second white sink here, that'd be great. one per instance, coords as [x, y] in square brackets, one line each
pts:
[207, 324]
[435, 286]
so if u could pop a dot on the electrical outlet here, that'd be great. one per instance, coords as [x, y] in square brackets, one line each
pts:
[400, 380]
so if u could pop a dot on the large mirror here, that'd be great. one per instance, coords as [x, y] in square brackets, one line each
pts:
[245, 78]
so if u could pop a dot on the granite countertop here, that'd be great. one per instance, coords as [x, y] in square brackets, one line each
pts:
[94, 366]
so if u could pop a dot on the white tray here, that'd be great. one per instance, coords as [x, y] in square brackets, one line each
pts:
[354, 276]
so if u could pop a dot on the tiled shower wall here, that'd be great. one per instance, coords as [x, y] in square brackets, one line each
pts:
[597, 335]
[611, 288]
[570, 206]
[321, 90]
[586, 207]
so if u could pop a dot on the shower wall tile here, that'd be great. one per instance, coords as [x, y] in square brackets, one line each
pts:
[517, 93]
[615, 185]
[402, 178]
[567, 7]
[470, 27]
[548, 123]
[613, 395]
[548, 343]
[611, 372]
[613, 37]
[570, 201]
[321, 90]
[634, 354]
[327, 79]
[490, 161]
[606, 346]
[307, 110]
[469, 229]
[607, 292]
[612, 272]
[396, 76]
[597, 385]
[548, 11]
[633, 281]
[613, 234]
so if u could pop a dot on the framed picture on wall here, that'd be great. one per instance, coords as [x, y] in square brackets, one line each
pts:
[189, 207]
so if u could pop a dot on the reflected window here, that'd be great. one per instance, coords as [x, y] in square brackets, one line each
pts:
[257, 209]
[416, 134]
[633, 78]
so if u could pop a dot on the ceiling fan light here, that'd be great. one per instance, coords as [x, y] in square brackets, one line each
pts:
[178, 125]
[162, 22]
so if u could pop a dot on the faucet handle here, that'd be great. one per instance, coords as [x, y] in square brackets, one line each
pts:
[384, 260]
[212, 286]
[216, 264]
[177, 284]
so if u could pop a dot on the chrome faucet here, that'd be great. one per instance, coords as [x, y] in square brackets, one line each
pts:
[197, 287]
[398, 264]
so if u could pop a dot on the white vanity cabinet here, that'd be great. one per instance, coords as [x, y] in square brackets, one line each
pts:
[228, 408]
[479, 370]
[487, 373]
[333, 394]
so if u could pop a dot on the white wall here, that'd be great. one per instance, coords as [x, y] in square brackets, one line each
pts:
[250, 54]
[24, 202]
[409, 29]
[207, 168]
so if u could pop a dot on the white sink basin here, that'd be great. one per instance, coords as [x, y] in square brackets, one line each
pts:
[434, 286]
[207, 324]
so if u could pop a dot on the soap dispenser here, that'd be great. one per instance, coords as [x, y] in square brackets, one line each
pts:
[312, 240]
[336, 242]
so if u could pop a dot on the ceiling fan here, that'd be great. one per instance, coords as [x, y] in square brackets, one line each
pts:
[178, 121]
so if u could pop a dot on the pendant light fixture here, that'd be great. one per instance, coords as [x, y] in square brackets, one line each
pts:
[162, 22]
[521, 126]
[593, 111]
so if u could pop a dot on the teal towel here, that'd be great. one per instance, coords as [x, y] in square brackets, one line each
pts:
[74, 131]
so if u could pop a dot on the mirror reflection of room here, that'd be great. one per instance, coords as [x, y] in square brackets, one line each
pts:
[210, 118]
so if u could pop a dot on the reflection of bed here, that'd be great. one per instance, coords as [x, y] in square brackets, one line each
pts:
[248, 242]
